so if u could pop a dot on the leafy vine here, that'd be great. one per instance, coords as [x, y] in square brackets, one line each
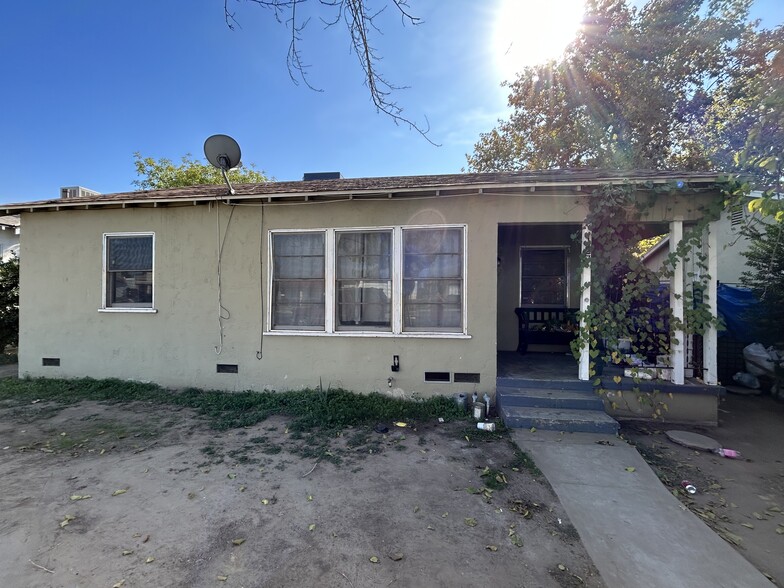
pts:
[628, 300]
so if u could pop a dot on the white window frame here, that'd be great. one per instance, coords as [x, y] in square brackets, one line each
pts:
[105, 307]
[330, 297]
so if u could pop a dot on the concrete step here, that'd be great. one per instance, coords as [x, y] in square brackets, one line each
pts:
[551, 419]
[515, 382]
[549, 398]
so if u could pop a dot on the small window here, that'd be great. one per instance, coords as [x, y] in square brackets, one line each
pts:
[128, 270]
[543, 277]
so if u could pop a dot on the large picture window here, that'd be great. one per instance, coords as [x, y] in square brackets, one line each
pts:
[128, 270]
[392, 280]
[544, 276]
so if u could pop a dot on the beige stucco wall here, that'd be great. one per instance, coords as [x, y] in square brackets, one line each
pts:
[61, 296]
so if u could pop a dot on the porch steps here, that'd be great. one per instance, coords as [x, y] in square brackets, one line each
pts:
[558, 405]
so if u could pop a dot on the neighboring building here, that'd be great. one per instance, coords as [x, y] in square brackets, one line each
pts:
[9, 237]
[731, 245]
[401, 283]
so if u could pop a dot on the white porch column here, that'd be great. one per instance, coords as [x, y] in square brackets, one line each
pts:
[583, 372]
[709, 343]
[676, 304]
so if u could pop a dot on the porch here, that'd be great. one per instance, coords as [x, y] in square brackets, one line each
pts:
[543, 390]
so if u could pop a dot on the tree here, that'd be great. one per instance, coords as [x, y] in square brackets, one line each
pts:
[163, 173]
[359, 18]
[9, 302]
[765, 277]
[687, 84]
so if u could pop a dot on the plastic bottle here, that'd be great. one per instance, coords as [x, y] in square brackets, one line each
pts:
[729, 453]
[485, 426]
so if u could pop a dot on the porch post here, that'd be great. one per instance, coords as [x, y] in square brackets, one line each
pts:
[676, 305]
[583, 372]
[709, 340]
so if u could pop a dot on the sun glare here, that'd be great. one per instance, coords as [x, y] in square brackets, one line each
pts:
[528, 32]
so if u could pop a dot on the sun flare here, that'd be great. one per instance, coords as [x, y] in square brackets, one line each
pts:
[528, 32]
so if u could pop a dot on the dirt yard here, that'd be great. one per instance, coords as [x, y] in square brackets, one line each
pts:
[743, 499]
[110, 495]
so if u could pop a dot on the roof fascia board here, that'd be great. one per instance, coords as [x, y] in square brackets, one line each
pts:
[437, 190]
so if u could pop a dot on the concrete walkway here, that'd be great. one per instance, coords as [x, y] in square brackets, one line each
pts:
[637, 533]
[9, 370]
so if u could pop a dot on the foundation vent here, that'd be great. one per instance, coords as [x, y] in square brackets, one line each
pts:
[437, 377]
[228, 368]
[466, 378]
[50, 361]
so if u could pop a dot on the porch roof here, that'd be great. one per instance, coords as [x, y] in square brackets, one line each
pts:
[575, 180]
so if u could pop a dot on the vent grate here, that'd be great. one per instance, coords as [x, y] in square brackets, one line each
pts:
[437, 377]
[228, 368]
[50, 361]
[466, 378]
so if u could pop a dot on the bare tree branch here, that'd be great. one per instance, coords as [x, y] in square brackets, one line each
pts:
[360, 26]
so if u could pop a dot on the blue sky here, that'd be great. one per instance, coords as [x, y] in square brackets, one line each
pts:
[86, 83]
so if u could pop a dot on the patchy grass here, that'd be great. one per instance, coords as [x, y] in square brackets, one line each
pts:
[522, 461]
[309, 409]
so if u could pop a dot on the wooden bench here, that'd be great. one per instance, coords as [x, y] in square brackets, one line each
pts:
[545, 326]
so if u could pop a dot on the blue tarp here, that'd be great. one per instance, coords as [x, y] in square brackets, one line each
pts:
[733, 304]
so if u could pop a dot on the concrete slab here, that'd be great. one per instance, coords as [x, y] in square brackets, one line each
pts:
[693, 440]
[636, 532]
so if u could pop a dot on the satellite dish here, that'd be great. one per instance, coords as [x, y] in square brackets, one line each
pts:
[222, 151]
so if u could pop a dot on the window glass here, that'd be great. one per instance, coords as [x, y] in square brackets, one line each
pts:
[433, 279]
[543, 277]
[363, 279]
[298, 280]
[129, 271]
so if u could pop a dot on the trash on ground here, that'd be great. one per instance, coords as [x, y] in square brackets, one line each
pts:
[689, 487]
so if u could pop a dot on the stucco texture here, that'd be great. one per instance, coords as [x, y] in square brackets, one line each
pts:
[61, 295]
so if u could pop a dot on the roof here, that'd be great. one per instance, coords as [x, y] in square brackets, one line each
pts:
[384, 187]
[9, 221]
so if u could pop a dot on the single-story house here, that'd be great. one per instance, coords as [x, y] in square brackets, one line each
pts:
[401, 284]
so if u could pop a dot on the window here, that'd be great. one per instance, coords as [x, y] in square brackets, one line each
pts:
[298, 280]
[128, 270]
[433, 279]
[543, 276]
[378, 280]
[363, 279]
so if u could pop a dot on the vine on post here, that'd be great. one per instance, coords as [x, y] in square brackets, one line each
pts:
[628, 300]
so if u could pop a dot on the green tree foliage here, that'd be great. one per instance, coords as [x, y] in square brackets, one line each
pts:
[9, 302]
[163, 173]
[686, 84]
[765, 277]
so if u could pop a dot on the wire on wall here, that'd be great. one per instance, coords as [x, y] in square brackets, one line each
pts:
[259, 353]
[223, 312]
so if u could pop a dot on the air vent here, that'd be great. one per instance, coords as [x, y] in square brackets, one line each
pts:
[228, 368]
[50, 361]
[437, 377]
[466, 378]
[312, 176]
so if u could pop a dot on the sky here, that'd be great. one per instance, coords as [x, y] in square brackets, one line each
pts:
[88, 83]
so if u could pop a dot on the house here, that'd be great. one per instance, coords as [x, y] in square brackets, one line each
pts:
[9, 237]
[730, 241]
[401, 284]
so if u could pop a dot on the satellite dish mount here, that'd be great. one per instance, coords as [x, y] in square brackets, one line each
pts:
[224, 153]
